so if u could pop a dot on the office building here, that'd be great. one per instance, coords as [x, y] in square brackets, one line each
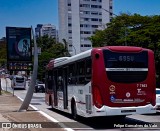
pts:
[79, 19]
[46, 29]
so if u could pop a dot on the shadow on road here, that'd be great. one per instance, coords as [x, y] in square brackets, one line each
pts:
[98, 123]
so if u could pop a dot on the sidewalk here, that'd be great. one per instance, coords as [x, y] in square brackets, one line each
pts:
[9, 106]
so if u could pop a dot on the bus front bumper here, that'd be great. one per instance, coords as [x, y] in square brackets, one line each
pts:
[112, 111]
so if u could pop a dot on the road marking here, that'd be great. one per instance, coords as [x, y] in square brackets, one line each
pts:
[47, 116]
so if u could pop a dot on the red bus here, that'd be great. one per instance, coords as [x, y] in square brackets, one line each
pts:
[105, 81]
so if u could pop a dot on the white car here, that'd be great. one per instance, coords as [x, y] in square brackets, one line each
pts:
[157, 106]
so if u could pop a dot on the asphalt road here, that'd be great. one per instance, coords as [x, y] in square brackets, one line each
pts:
[131, 122]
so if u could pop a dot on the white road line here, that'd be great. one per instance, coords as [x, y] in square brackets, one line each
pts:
[47, 116]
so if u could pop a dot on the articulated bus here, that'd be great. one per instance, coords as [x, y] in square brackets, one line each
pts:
[105, 81]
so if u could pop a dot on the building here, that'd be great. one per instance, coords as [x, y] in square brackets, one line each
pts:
[46, 29]
[78, 20]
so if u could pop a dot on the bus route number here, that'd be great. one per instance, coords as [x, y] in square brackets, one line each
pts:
[126, 58]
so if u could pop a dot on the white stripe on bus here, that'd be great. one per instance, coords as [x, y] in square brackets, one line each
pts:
[126, 69]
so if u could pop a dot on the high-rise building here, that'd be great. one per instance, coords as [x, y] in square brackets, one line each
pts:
[46, 29]
[79, 19]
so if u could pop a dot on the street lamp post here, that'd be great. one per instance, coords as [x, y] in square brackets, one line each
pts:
[74, 49]
[124, 25]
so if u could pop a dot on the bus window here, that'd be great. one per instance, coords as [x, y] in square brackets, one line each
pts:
[81, 72]
[88, 70]
[126, 67]
[60, 79]
[72, 74]
[50, 79]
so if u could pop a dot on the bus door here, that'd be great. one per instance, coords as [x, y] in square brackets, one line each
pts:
[55, 87]
[65, 96]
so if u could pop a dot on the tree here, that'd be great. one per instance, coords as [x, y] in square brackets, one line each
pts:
[50, 49]
[45, 42]
[3, 53]
[132, 30]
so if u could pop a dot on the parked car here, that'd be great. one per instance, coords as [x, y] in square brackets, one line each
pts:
[157, 106]
[39, 87]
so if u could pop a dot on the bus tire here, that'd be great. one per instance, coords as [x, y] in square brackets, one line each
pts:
[74, 110]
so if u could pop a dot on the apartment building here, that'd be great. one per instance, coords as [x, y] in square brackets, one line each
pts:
[46, 29]
[79, 19]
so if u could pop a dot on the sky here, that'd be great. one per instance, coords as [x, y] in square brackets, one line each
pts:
[27, 13]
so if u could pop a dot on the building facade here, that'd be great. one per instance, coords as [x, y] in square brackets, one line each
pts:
[79, 19]
[46, 29]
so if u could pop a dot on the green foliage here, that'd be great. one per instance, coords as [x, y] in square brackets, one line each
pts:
[50, 50]
[3, 53]
[132, 30]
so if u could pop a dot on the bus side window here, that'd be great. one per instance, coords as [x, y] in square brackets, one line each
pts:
[60, 79]
[88, 70]
[72, 74]
[50, 79]
[81, 72]
[55, 80]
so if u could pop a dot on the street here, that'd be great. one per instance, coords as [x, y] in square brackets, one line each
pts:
[130, 122]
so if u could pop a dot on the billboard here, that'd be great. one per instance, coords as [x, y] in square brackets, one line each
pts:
[19, 49]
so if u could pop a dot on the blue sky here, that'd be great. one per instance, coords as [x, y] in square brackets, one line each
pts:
[24, 13]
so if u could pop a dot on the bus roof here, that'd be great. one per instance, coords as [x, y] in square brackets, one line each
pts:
[64, 60]
[74, 58]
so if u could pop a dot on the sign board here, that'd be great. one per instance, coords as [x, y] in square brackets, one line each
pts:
[19, 49]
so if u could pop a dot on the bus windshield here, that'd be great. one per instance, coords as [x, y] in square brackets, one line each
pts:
[126, 67]
[20, 79]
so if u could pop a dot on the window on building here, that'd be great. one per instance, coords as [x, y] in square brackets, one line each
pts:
[86, 19]
[85, 5]
[94, 6]
[86, 12]
[94, 19]
[81, 25]
[69, 24]
[87, 45]
[69, 31]
[94, 13]
[86, 32]
[86, 25]
[81, 32]
[94, 26]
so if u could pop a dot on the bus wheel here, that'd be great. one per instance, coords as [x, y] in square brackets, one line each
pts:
[74, 110]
